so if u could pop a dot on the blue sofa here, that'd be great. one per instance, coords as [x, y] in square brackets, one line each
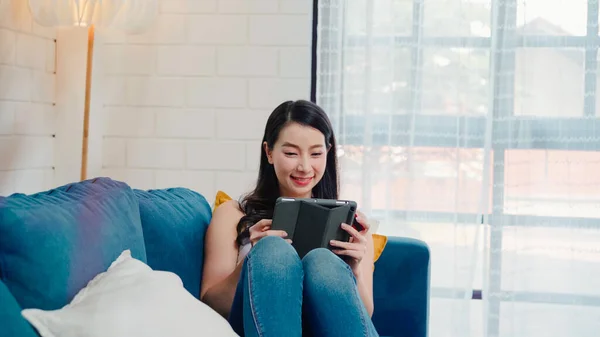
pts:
[53, 242]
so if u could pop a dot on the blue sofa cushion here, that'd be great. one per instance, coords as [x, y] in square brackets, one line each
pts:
[53, 243]
[401, 288]
[13, 324]
[175, 222]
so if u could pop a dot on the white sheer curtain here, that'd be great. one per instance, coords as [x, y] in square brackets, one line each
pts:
[472, 125]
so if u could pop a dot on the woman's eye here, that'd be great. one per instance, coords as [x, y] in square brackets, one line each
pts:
[317, 154]
[290, 153]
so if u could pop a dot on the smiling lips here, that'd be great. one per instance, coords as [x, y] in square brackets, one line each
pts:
[302, 181]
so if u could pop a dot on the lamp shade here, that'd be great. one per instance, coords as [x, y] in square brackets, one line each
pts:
[135, 16]
[128, 15]
[4, 7]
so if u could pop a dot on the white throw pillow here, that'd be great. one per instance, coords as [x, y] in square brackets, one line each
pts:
[131, 300]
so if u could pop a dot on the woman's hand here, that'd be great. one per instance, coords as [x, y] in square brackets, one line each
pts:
[356, 248]
[262, 229]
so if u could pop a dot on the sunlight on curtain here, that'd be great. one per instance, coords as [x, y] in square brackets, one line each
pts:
[472, 125]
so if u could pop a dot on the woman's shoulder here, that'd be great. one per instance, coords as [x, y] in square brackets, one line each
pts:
[228, 210]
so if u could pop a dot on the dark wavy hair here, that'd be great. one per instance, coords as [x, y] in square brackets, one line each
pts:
[260, 203]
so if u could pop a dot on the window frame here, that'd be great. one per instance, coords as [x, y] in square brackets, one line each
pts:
[579, 131]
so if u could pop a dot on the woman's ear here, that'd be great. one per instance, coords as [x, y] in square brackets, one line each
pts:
[268, 152]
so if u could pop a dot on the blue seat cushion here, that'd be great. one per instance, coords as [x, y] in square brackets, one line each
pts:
[53, 243]
[174, 221]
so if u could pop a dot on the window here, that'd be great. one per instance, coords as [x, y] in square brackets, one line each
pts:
[449, 58]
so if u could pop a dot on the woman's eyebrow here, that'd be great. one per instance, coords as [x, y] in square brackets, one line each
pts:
[288, 144]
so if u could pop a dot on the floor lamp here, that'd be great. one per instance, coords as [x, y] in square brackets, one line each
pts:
[73, 17]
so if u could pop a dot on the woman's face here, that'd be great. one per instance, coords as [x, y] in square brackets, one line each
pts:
[299, 157]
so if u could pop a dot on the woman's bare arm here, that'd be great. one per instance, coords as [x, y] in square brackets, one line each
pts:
[364, 277]
[221, 271]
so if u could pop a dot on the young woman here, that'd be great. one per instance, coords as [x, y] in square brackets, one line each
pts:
[252, 274]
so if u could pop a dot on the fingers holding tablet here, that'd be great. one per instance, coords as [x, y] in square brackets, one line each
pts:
[356, 248]
[262, 229]
[360, 222]
[355, 235]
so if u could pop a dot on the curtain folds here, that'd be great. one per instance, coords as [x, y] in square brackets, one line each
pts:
[472, 125]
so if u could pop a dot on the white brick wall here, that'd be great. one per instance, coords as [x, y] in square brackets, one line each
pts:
[185, 103]
[27, 113]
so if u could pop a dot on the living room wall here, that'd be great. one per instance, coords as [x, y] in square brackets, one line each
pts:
[27, 114]
[185, 103]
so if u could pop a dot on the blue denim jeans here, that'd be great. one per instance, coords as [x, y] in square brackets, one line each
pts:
[280, 295]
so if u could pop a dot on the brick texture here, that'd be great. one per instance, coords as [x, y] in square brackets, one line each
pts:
[183, 104]
[27, 114]
[186, 102]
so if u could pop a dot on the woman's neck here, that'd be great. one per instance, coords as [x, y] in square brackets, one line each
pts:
[290, 195]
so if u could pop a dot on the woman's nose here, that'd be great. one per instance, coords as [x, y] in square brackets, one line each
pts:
[303, 164]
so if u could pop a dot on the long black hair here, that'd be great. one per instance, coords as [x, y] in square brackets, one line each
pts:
[260, 202]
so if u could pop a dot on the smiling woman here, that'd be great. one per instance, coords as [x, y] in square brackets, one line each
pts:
[252, 274]
[298, 159]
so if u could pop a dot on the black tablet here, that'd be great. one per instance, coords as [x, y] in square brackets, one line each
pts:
[312, 223]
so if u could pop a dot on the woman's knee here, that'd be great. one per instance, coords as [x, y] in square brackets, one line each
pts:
[274, 245]
[275, 254]
[324, 269]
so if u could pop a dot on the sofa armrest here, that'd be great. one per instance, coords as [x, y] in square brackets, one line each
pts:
[12, 323]
[401, 288]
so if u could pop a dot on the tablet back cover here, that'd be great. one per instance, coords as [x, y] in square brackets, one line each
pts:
[311, 225]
